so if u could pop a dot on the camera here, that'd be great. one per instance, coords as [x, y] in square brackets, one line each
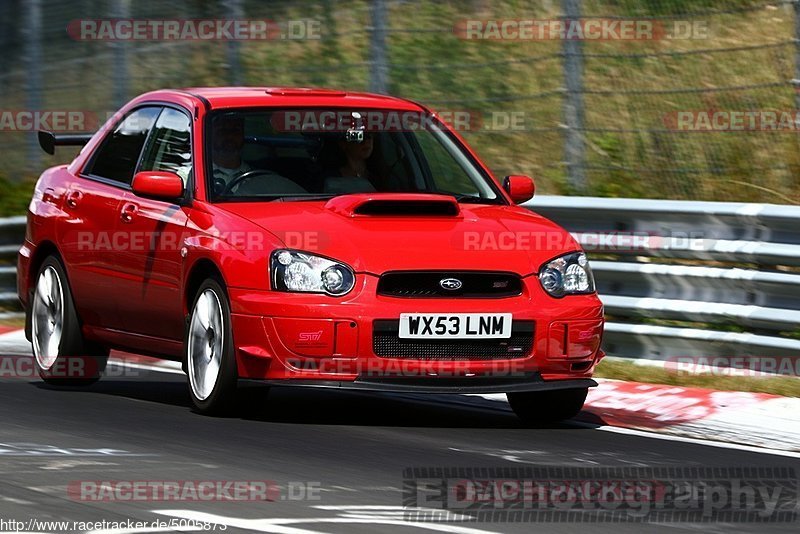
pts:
[354, 135]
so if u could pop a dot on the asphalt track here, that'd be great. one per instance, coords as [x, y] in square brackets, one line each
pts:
[349, 450]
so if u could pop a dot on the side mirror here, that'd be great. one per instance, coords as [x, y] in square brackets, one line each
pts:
[157, 184]
[519, 188]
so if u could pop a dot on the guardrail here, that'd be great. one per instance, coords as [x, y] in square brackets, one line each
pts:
[716, 278]
[12, 233]
[678, 278]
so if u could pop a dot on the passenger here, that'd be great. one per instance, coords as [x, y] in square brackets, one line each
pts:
[356, 157]
[351, 167]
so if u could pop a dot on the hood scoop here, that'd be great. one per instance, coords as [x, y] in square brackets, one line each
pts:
[394, 205]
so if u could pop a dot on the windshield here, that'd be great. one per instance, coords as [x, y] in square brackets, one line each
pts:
[312, 154]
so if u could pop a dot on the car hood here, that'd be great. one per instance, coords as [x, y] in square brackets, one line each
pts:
[381, 233]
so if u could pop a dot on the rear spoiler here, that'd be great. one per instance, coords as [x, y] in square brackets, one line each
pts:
[49, 141]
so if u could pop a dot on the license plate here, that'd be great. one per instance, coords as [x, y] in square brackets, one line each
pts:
[455, 325]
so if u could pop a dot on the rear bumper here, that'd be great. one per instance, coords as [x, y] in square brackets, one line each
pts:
[23, 269]
[24, 290]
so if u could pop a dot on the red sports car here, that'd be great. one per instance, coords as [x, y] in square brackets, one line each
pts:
[304, 237]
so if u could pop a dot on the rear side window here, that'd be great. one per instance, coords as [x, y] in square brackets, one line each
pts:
[169, 148]
[117, 157]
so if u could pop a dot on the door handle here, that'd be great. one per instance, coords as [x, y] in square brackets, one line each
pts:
[128, 212]
[74, 198]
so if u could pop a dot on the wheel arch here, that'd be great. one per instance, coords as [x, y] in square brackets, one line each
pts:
[44, 250]
[200, 271]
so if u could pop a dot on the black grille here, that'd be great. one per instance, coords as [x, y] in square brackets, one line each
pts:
[428, 284]
[387, 344]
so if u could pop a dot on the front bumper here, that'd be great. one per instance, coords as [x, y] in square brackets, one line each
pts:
[440, 385]
[308, 339]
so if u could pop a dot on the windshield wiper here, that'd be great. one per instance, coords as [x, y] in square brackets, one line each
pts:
[307, 198]
[468, 199]
[471, 199]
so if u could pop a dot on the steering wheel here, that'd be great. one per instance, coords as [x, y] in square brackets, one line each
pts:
[243, 178]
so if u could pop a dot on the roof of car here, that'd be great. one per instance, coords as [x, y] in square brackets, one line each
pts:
[229, 97]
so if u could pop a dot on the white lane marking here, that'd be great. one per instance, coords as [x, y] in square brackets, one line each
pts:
[15, 500]
[513, 456]
[58, 465]
[695, 441]
[380, 515]
[14, 344]
[156, 368]
[274, 526]
[142, 530]
[363, 507]
[14, 335]
[341, 488]
[19, 335]
[42, 450]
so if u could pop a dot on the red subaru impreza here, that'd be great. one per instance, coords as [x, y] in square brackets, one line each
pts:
[304, 237]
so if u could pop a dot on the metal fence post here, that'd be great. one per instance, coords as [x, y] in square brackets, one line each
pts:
[33, 64]
[234, 11]
[379, 77]
[796, 80]
[120, 78]
[574, 116]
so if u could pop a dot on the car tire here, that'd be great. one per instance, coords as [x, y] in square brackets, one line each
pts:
[209, 351]
[61, 355]
[541, 407]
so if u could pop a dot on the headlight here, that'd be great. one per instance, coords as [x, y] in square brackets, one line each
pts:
[568, 275]
[293, 270]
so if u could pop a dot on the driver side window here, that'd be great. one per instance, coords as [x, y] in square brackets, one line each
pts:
[117, 157]
[169, 147]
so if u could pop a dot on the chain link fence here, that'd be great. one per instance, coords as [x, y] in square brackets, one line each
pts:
[608, 116]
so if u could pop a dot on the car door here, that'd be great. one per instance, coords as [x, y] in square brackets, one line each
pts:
[88, 244]
[149, 292]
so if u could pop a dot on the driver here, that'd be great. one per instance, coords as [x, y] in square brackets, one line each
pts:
[228, 140]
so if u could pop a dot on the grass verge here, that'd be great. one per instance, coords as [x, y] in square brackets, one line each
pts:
[12, 322]
[787, 386]
[15, 196]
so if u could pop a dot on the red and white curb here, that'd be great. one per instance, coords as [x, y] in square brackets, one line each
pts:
[756, 419]
[7, 329]
[749, 419]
